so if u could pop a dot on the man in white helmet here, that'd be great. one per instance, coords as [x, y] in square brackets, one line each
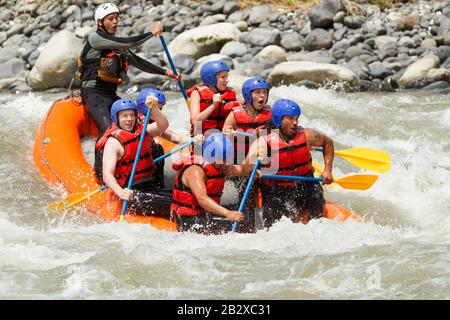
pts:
[103, 65]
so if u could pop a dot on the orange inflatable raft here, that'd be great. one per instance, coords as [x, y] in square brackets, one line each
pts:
[59, 158]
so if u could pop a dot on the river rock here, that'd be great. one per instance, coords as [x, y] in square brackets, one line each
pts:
[272, 52]
[428, 44]
[230, 7]
[56, 65]
[13, 68]
[8, 53]
[261, 37]
[314, 56]
[318, 39]
[241, 25]
[354, 22]
[260, 14]
[19, 85]
[408, 22]
[437, 85]
[202, 41]
[291, 41]
[359, 67]
[440, 74]
[418, 71]
[375, 24]
[321, 15]
[184, 63]
[234, 49]
[320, 73]
[379, 70]
[241, 15]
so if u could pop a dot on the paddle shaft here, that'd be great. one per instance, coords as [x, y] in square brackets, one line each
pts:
[247, 191]
[283, 177]
[90, 194]
[136, 160]
[355, 182]
[172, 65]
[187, 144]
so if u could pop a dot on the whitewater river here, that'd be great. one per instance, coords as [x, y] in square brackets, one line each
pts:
[402, 251]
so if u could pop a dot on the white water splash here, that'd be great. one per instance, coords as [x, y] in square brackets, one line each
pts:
[73, 256]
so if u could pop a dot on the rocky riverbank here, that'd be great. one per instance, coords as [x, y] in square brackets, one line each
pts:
[351, 43]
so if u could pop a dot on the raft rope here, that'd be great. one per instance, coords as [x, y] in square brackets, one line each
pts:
[44, 143]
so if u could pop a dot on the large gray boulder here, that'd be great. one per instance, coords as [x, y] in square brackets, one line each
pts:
[417, 71]
[57, 63]
[320, 73]
[204, 40]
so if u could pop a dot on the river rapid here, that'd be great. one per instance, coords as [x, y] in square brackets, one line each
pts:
[402, 251]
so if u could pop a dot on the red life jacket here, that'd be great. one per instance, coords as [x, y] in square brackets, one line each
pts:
[244, 122]
[218, 116]
[294, 158]
[183, 200]
[130, 143]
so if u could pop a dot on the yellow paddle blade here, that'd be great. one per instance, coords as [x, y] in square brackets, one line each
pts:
[357, 181]
[71, 200]
[57, 205]
[371, 159]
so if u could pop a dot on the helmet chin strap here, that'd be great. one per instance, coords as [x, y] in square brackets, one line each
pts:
[220, 91]
[102, 27]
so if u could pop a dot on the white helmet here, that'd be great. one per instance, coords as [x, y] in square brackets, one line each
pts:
[104, 9]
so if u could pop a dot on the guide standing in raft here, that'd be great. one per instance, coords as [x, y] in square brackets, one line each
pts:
[103, 65]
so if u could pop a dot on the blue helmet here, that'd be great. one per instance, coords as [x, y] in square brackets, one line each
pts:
[210, 70]
[253, 84]
[140, 101]
[120, 105]
[284, 107]
[218, 147]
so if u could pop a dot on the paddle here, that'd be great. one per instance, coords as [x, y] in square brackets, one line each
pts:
[187, 144]
[172, 65]
[247, 190]
[318, 170]
[136, 159]
[354, 182]
[73, 199]
[365, 158]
